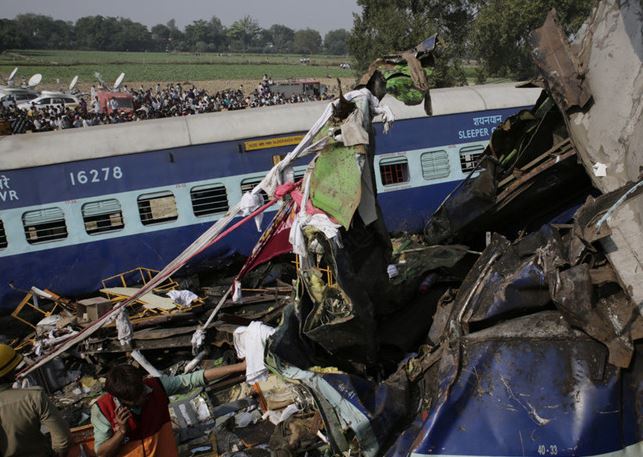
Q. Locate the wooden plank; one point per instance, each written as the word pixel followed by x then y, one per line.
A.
pixel 149 301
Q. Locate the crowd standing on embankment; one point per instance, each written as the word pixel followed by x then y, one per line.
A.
pixel 151 103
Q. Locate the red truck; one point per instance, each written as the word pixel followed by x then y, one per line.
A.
pixel 114 101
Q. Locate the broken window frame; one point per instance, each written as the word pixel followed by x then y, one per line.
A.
pixel 146 210
pixel 249 183
pixel 439 166
pixel 3 236
pixel 215 200
pixel 44 225
pixel 104 214
pixel 396 171
pixel 467 165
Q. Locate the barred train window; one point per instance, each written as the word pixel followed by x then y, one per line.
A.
pixel 3 236
pixel 469 157
pixel 157 208
pixel 44 225
pixel 102 216
pixel 209 199
pixel 394 170
pixel 300 174
pixel 435 164
pixel 248 184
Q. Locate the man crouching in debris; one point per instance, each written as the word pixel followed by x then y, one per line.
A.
pixel 23 412
pixel 132 418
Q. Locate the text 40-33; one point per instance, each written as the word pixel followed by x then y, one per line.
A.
pixel 95 175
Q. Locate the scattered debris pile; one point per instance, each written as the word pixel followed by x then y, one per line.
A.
pixel 512 326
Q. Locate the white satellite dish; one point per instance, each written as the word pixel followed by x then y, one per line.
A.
pixel 35 80
pixel 12 74
pixel 73 83
pixel 119 81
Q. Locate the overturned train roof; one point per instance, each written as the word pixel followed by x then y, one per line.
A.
pixel 31 150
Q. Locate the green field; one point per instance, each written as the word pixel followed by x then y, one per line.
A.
pixel 158 66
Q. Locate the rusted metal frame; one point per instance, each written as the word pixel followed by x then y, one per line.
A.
pixel 505 194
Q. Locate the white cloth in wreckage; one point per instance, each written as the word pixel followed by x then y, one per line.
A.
pixel 354 131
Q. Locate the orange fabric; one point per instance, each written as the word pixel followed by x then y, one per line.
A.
pixel 161 444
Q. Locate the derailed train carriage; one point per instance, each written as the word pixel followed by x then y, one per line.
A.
pixel 81 205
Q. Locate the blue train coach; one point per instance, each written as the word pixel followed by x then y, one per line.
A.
pixel 80 205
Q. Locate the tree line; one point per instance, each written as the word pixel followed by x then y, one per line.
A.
pixel 493 33
pixel 103 33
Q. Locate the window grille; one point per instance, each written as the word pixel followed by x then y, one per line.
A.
pixel 435 164
pixel 248 184
pixel 394 170
pixel 157 208
pixel 102 216
pixel 44 225
pixel 209 199
pixel 469 157
pixel 3 237
pixel 299 175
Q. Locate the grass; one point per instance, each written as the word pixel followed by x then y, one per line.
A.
pixel 159 66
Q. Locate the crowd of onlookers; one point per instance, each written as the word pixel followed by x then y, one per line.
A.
pixel 151 103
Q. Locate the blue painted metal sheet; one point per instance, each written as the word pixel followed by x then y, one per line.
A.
pixel 169 167
pixel 552 395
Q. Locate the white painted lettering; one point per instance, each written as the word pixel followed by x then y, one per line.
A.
pixel 4 182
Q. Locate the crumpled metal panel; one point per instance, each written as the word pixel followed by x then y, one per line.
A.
pixel 558 65
pixel 609 132
pixel 530 386
pixel 353 405
pixel 503 281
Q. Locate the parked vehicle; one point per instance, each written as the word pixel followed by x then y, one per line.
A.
pixel 13 96
pixel 48 99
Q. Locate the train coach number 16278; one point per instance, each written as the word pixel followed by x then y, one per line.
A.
pixel 95 175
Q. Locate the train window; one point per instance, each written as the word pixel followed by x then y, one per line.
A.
pixel 157 208
pixel 248 184
pixel 469 157
pixel 435 164
pixel 102 216
pixel 44 225
pixel 299 175
pixel 394 170
pixel 209 199
pixel 3 236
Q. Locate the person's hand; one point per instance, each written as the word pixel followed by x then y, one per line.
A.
pixel 122 416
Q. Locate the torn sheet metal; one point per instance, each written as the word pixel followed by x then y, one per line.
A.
pixel 610 131
pixel 528 386
pixel 351 405
pixel 615 220
pixel 558 64
pixel 609 49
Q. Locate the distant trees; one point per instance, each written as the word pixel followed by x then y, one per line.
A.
pixel 33 31
pixel 501 28
pixel 493 32
pixel 397 25
pixel 336 42
pixel 283 38
pixel 111 34
pixel 204 36
pixel 243 34
pixel 307 41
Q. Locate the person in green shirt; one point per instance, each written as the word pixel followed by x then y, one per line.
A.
pixel 22 414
